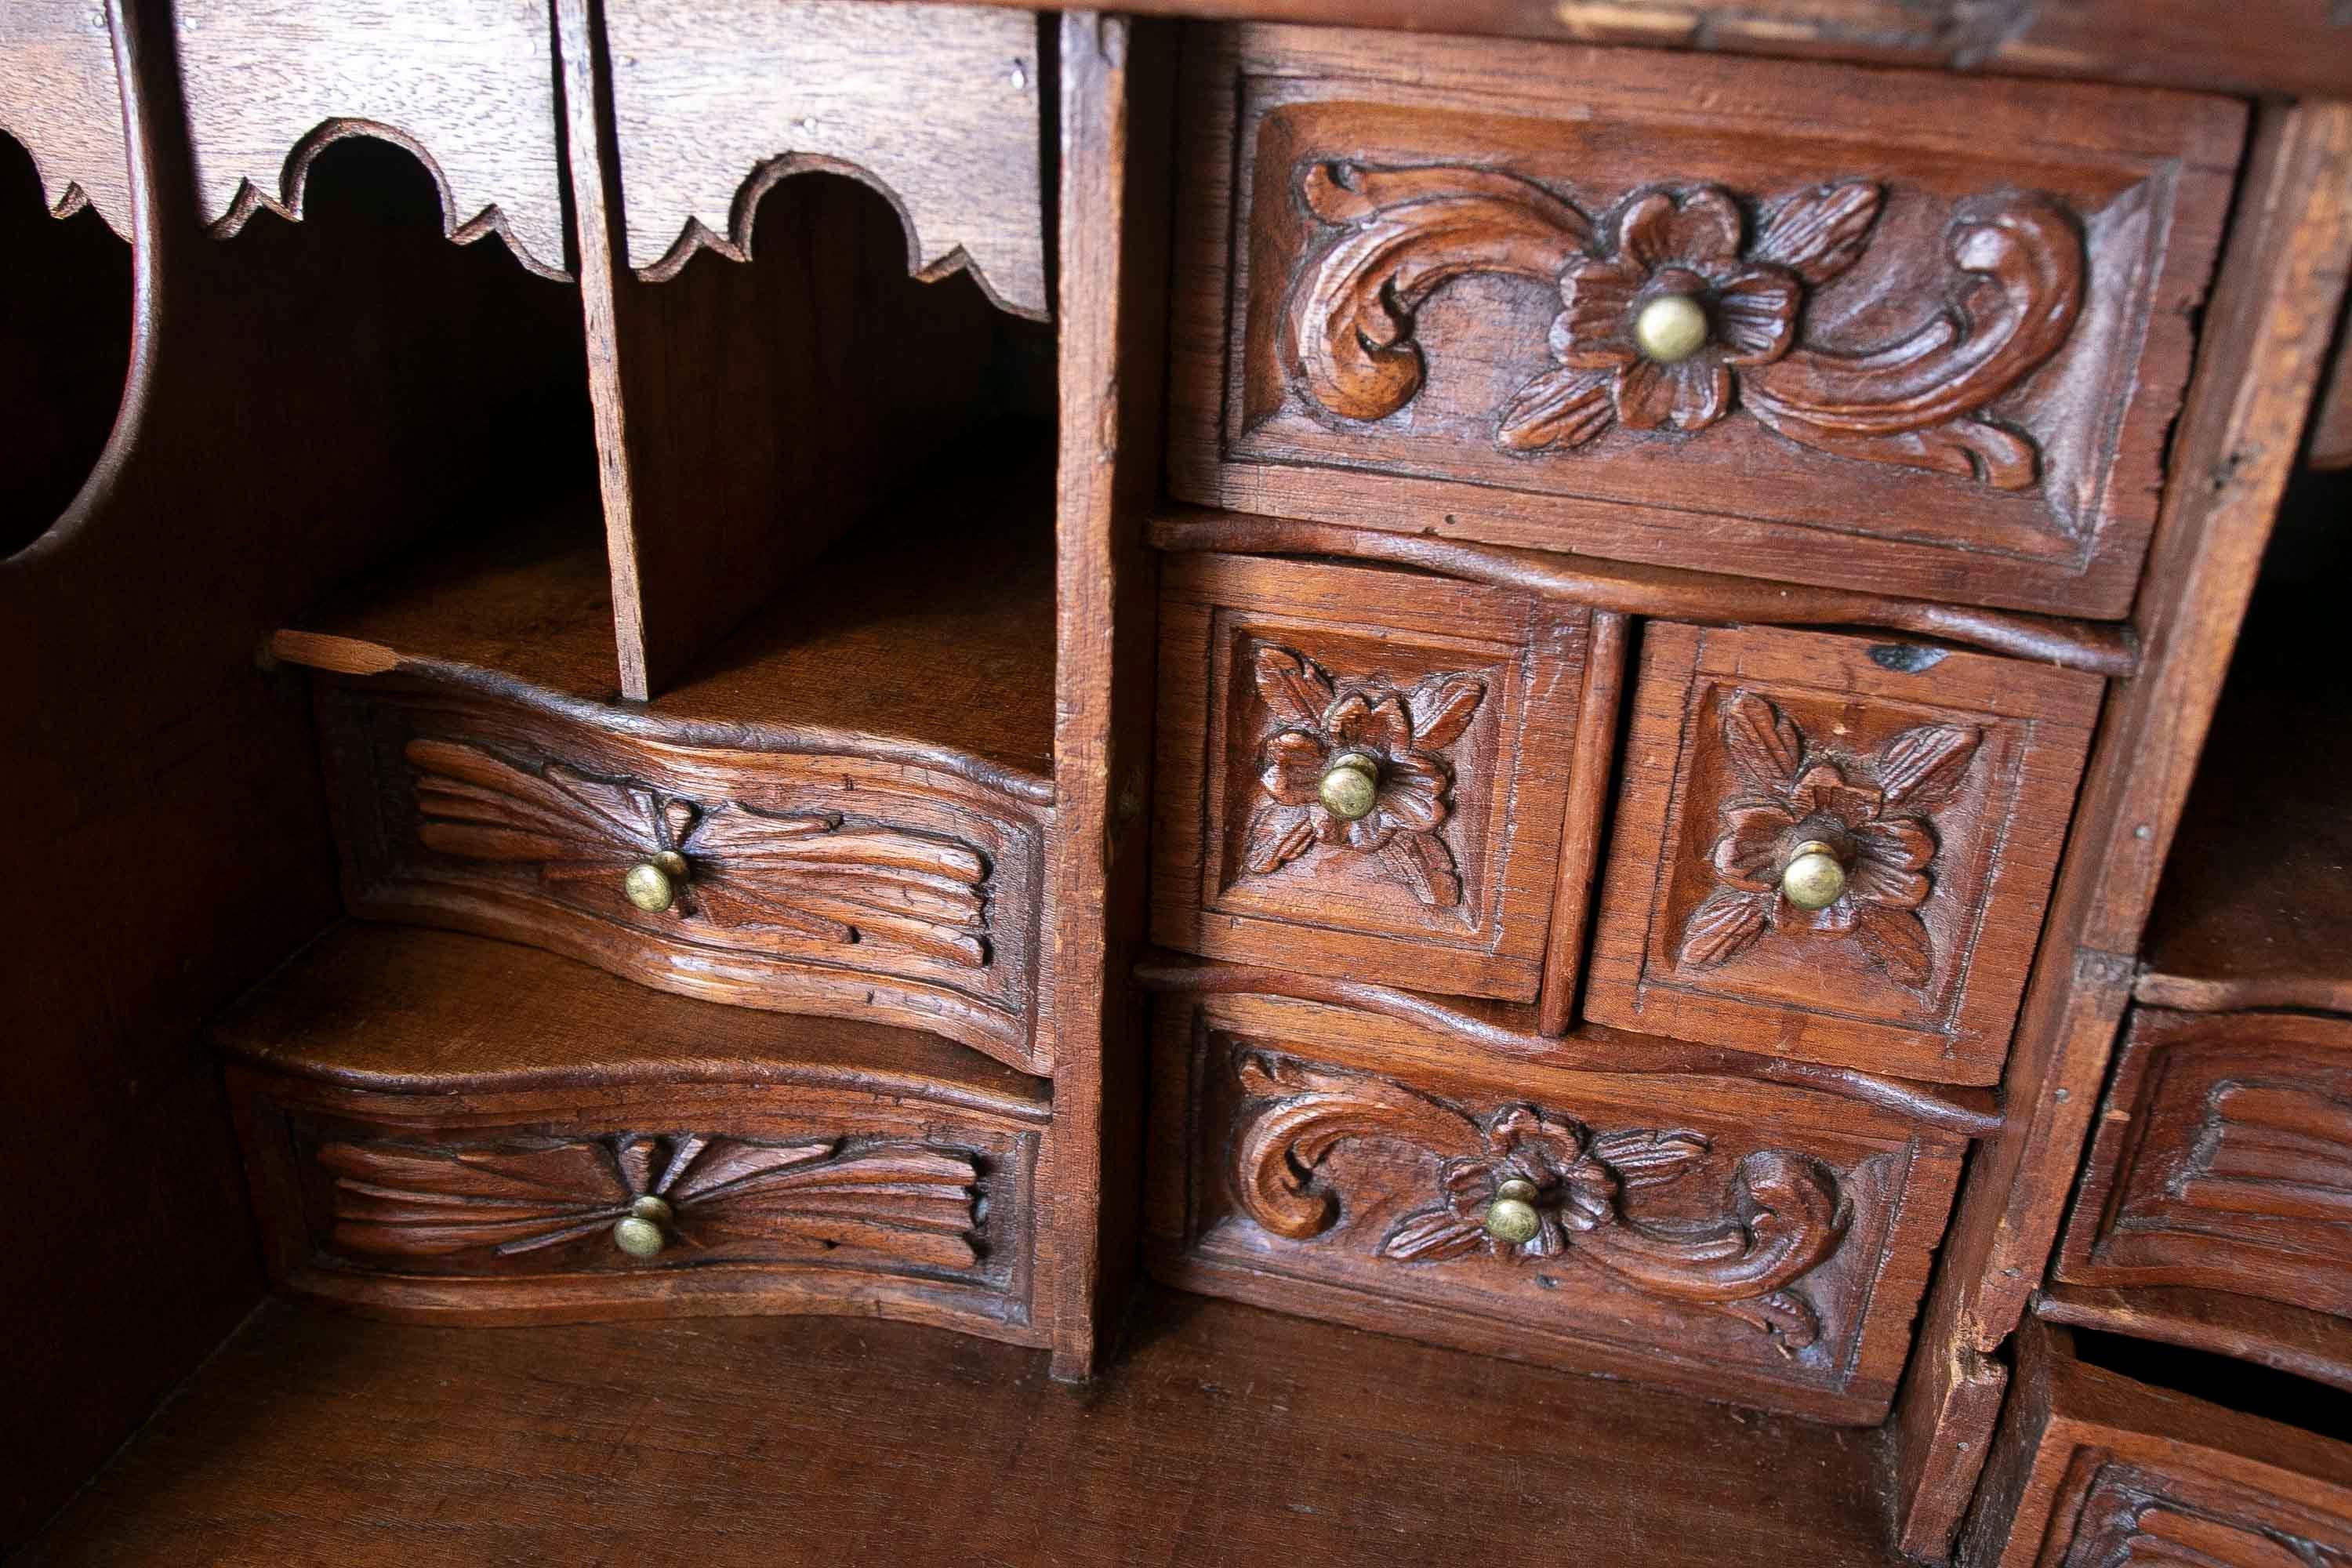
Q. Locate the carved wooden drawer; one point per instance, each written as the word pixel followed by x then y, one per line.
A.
pixel 2093 1469
pixel 801 882
pixel 1742 1241
pixel 2223 1159
pixel 1363 772
pixel 1835 850
pixel 1879 329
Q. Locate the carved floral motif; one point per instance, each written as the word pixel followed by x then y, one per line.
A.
pixel 1402 733
pixel 1783 1217
pixel 405 1200
pixel 811 874
pixel 1919 401
pixel 1870 812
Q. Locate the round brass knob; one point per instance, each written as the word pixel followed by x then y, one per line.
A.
pixel 1351 786
pixel 1669 328
pixel 1814 876
pixel 1512 1218
pixel 640 1233
pixel 652 885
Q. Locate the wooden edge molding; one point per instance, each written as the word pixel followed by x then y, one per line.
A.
pixel 294 181
pixel 2277 993
pixel 2313 1345
pixel 1968 1113
pixel 1660 590
pixel 359 656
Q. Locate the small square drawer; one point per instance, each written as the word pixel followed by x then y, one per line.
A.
pixel 1835 850
pixel 1741 1240
pixel 1363 772
pixel 2223 1161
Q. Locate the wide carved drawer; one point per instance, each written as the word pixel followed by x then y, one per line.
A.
pixel 1886 331
pixel 1835 849
pixel 2222 1160
pixel 1363 772
pixel 2092 1468
pixel 1740 1240
pixel 799 883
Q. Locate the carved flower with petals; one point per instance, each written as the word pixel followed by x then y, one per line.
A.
pixel 1864 815
pixel 1387 743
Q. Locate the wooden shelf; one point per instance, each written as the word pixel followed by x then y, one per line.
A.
pixel 312 1436
pixel 397 1008
pixel 928 627
pixel 2316 1345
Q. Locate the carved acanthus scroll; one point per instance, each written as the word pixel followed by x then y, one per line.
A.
pixel 1783 1218
pixel 1740 285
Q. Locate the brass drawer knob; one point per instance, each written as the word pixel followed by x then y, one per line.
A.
pixel 1351 786
pixel 1670 329
pixel 1512 1218
pixel 1815 877
pixel 652 885
pixel 643 1230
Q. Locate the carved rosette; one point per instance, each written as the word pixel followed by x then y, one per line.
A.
pixel 813 875
pixel 1783 1218
pixel 1399 736
pixel 1919 401
pixel 906 1201
pixel 1871 812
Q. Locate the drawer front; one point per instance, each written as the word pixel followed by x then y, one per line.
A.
pixel 1670 308
pixel 2223 1159
pixel 804 883
pixel 1738 1241
pixel 1449 709
pixel 1835 850
pixel 661 1198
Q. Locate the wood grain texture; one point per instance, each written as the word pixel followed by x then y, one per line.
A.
pixel 469 88
pixel 2311 1345
pixel 317 1435
pixel 1942 788
pixel 2329 445
pixel 1467 699
pixel 938 107
pixel 2092 1467
pixel 59 100
pixel 1367 303
pixel 1691 1230
pixel 2266 332
pixel 1579 833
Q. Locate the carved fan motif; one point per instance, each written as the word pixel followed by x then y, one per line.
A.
pixel 1783 1219
pixel 1871 812
pixel 905 1201
pixel 1399 734
pixel 2271 1149
pixel 1919 401
pixel 811 874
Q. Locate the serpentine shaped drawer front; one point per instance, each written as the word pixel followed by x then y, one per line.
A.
pixel 1871 329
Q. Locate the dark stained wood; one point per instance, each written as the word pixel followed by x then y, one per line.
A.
pixel 1941 785
pixel 1579 833
pixel 2330 442
pixel 2316 1345
pixel 59 100
pixel 314 1436
pixel 1725 1237
pixel 1949 323
pixel 2266 333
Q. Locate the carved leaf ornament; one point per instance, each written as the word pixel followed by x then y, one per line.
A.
pixel 1736 289
pixel 811 874
pixel 1783 1218
pixel 1398 736
pixel 1871 814
pixel 403 1200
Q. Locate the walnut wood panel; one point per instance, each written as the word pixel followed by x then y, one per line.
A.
pixel 1466 702
pixel 1941 784
pixel 806 883
pixel 2222 1159
pixel 938 107
pixel 512 1207
pixel 2091 1467
pixel 58 98
pixel 1738 1241
pixel 467 87
pixel 1944 336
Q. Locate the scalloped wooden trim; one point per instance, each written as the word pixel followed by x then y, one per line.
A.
pixel 295 178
